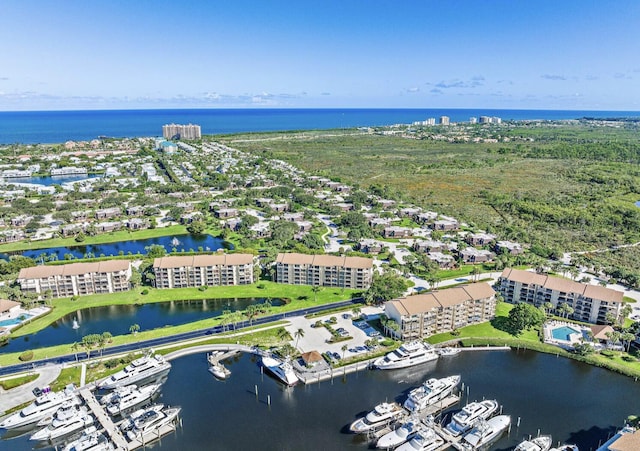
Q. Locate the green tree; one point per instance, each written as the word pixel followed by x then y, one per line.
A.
pixel 155 251
pixel 196 227
pixel 298 335
pixel 134 329
pixel 523 316
pixel 385 287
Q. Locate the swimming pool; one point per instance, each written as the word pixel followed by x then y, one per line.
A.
pixel 14 321
pixel 564 333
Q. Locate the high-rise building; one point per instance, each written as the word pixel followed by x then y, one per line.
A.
pixel 444 120
pixel 189 131
pixel 473 120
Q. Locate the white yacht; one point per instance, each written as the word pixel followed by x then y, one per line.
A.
pixel 147 426
pixel 541 443
pixel 409 354
pixel 464 420
pixel 424 440
pixel 380 415
pixel 448 351
pixel 133 398
pixel 46 404
pixel 90 440
pixel 565 448
pixel 140 369
pixel 60 428
pixel 400 435
pixel 216 367
pixel 281 369
pixel 484 434
pixel 67 410
pixel 130 421
pixel 432 391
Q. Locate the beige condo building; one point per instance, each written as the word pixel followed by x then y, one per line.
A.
pixel 77 279
pixel 203 270
pixel 324 270
pixel 423 315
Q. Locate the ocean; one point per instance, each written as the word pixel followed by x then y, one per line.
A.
pixel 33 127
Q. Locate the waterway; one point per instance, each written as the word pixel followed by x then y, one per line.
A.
pixel 572 401
pixel 117 319
pixel 179 243
pixel 52 180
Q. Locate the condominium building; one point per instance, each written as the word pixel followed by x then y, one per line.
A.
pixel 590 303
pixel 444 120
pixel 324 270
pixel 203 270
pixel 189 131
pixel 77 279
pixel 423 315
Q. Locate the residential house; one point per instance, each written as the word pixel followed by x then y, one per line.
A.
pixel 369 246
pixel 473 255
pixel 224 213
pixel 108 213
pixel 479 239
pixel 444 261
pixel 445 225
pixel 508 247
pixel 108 226
pixel 428 246
pixel 396 232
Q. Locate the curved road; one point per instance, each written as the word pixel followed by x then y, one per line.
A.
pixel 171 339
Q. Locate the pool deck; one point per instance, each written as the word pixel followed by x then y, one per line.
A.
pixel 33 313
pixel 550 326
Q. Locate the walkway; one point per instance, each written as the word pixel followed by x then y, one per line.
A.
pixel 23 394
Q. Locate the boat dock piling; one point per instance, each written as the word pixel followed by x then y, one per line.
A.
pixel 153 436
pixel 110 428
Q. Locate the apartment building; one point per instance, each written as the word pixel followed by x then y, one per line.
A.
pixel 423 315
pixel 203 270
pixel 189 131
pixel 591 303
pixel 77 279
pixel 324 270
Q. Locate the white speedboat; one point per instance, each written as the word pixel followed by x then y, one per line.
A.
pixel 67 410
pixel 432 391
pixel 144 368
pixel 462 421
pixel 147 427
pixel 130 421
pixel 409 354
pixel 61 428
pixel 484 434
pixel 216 367
pixel 46 404
pixel 380 415
pixel 542 443
pixel 448 351
pixel 130 400
pixel 90 440
pixel 117 393
pixel 281 369
pixel 565 448
pixel 424 440
pixel 400 435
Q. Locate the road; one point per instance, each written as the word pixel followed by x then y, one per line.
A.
pixel 4 371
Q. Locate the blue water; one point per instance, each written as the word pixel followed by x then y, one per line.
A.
pixel 186 243
pixel 563 333
pixel 48 181
pixel 14 321
pixel 30 127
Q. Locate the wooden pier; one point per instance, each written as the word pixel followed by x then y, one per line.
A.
pixel 153 436
pixel 107 423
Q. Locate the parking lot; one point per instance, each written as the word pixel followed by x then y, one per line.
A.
pixel 316 338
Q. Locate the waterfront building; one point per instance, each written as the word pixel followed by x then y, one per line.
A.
pixel 423 315
pixel 189 131
pixel 324 270
pixel 76 279
pixel 444 120
pixel 590 303
pixel 203 270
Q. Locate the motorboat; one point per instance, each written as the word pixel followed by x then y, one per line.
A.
pixel 400 435
pixel 139 370
pixel 67 410
pixel 216 367
pixel 90 440
pixel 134 398
pixel 425 439
pixel 130 421
pixel 148 425
pixel 409 354
pixel 380 415
pixel 117 393
pixel 484 433
pixel 448 351
pixel 45 404
pixel 61 428
pixel 281 369
pixel 541 443
pixel 565 448
pixel 462 421
pixel 432 391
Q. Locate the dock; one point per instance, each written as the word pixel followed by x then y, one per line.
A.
pixel 152 436
pixel 107 423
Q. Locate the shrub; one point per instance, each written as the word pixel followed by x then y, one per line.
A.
pixel 144 292
pixel 628 358
pixel 607 353
pixel 261 286
pixel 26 356
pixel 111 363
pixel 202 288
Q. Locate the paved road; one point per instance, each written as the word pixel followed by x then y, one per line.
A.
pixel 171 339
pixel 23 394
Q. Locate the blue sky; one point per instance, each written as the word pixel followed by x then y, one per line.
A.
pixel 538 54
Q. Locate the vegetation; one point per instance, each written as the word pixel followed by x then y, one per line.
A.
pixel 8 384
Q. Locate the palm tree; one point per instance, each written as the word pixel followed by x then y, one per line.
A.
pixel 627 337
pixel 134 329
pixel 356 311
pixel 475 271
pixel 548 306
pixel 315 290
pixel 283 334
pixel 298 334
pixel 344 349
pixel 74 347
